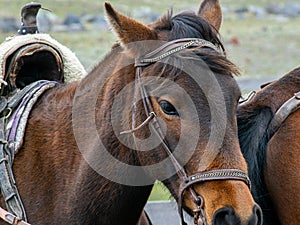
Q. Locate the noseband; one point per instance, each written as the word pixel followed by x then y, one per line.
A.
pixel 186 181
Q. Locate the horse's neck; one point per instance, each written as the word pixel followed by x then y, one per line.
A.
pixel 88 197
pixel 98 196
pixel 100 201
pixel 121 203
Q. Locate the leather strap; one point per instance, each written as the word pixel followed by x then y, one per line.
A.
pixel 7 182
pixel 3 104
pixel 10 218
pixel 283 112
pixel 215 175
pixel 172 47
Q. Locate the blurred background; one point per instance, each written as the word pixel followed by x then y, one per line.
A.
pixel 262 37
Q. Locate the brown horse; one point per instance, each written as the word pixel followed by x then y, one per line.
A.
pixel 76 168
pixel 273 157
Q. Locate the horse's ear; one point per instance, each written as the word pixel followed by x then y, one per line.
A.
pixel 127 29
pixel 212 12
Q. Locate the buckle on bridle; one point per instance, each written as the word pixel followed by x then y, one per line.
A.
pixel 199 214
pixel 199 217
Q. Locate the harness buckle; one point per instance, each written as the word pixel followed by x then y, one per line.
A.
pixel 199 217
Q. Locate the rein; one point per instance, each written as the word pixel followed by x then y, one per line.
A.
pixel 187 181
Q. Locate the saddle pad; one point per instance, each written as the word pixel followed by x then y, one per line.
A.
pixel 15 129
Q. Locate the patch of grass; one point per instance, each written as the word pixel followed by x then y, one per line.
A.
pixel 160 192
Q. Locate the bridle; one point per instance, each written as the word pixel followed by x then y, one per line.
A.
pixel 162 52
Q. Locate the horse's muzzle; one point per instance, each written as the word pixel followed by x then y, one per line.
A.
pixel 227 216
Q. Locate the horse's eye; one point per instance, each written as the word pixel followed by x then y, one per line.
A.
pixel 168 108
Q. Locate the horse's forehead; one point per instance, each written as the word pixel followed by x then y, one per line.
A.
pixel 226 84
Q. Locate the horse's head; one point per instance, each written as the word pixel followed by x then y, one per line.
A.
pixel 189 98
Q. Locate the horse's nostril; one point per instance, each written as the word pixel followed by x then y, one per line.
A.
pixel 226 216
pixel 257 218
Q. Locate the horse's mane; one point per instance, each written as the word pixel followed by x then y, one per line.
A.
pixel 253 137
pixel 188 25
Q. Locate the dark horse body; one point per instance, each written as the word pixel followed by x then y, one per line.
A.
pixel 59 186
pixel 273 161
